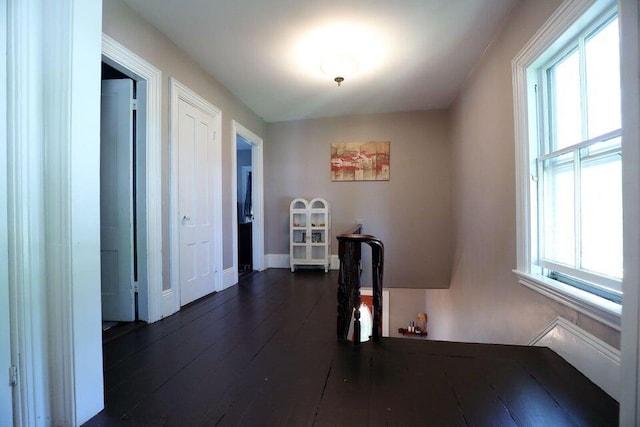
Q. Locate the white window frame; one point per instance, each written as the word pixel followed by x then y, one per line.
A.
pixel 566 23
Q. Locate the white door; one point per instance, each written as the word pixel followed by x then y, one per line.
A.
pixel 196 202
pixel 116 200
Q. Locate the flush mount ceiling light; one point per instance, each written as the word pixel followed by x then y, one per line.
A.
pixel 340 51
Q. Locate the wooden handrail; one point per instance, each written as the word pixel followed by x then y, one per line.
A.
pixel 349 252
pixel 356 229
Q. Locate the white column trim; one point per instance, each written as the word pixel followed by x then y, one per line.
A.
pixel 629 15
pixel 25 210
pixel 6 390
pixel 72 205
pixel 53 158
pixel 58 201
pixel 116 52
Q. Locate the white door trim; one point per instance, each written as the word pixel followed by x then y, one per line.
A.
pixel 179 91
pixel 25 108
pixel 6 390
pixel 257 162
pixel 53 124
pixel 119 56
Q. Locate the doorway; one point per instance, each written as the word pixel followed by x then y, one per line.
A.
pixel 122 197
pixel 245 208
pixel 248 204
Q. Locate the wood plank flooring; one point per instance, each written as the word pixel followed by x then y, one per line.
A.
pixel 264 353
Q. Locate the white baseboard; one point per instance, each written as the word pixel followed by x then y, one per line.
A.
pixel 596 359
pixel 277 260
pixel 169 303
pixel 228 278
pixel 282 261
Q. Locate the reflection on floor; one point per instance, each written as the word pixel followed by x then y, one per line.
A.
pixel 106 325
pixel 244 274
pixel 112 330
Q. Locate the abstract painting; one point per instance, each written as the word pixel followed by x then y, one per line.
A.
pixel 360 161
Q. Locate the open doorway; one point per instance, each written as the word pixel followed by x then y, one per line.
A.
pixel 155 297
pixel 248 209
pixel 245 206
pixel 122 199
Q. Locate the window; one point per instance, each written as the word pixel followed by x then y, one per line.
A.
pixel 568 143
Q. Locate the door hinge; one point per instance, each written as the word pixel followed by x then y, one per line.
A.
pixel 134 104
pixel 13 375
pixel 134 287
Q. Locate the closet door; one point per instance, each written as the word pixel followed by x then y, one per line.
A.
pixel 116 200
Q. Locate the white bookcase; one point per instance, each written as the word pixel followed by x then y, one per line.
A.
pixel 310 233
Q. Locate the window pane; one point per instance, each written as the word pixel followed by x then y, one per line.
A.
pixel 559 229
pixel 601 214
pixel 565 97
pixel 603 80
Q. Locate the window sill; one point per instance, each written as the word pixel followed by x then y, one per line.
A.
pixel 598 308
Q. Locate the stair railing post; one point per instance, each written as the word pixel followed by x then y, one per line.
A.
pixel 377 249
pixel 348 287
pixel 349 252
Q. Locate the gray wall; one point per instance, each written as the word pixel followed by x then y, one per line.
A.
pixel 485 302
pixel 447 216
pixel 410 212
pixel 128 28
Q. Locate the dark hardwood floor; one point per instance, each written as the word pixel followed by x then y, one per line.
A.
pixel 264 353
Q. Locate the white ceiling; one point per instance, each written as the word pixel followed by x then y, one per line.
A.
pixel 428 48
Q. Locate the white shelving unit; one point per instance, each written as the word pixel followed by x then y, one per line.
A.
pixel 310 233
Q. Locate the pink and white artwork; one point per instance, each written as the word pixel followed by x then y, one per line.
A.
pixel 360 161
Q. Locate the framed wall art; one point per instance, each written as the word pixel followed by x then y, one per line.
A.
pixel 360 161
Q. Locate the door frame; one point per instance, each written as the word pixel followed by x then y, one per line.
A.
pixel 150 78
pixel 178 91
pixel 257 196
pixel 54 91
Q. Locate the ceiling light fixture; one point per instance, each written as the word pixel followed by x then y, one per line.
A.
pixel 338 66
pixel 340 51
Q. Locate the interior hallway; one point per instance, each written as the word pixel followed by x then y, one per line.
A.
pixel 265 353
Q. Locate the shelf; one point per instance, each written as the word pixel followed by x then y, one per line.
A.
pixel 309 225
pixel 405 331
